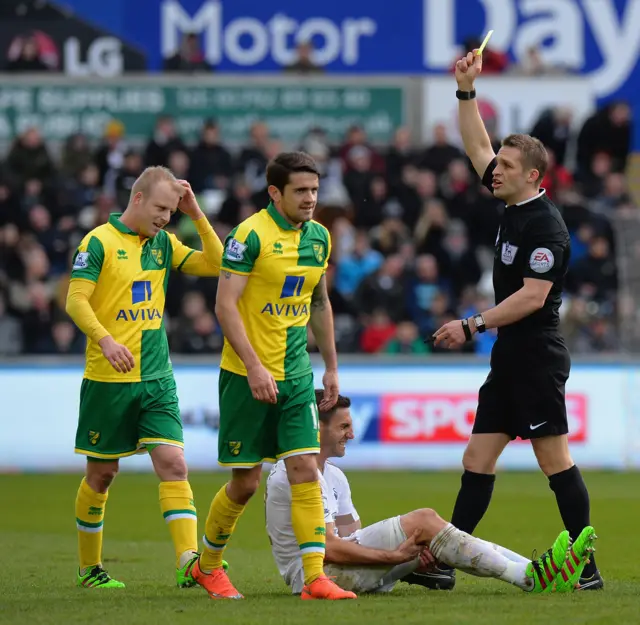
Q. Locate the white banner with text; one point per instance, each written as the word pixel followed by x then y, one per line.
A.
pixel 405 417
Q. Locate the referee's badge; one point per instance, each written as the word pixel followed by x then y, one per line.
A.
pixel 509 253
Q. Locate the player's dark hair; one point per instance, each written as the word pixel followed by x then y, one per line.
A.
pixel 534 154
pixel 325 416
pixel 282 166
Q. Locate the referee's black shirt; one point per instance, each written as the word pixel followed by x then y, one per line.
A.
pixel 533 242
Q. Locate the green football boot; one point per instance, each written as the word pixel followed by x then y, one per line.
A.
pixel 97 577
pixel 579 552
pixel 184 578
pixel 544 570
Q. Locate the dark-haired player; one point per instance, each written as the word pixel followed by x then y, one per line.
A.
pixel 272 286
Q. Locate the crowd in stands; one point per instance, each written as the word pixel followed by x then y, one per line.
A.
pixel 413 230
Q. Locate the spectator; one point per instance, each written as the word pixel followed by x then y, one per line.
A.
pixel 423 286
pixel 131 168
pixel 211 163
pixel 379 330
pixel 165 140
pixel 438 156
pixel 64 339
pixel 189 58
pixel 383 290
pixel 24 56
pixel 400 154
pixel 29 158
pixel 558 180
pixel 304 64
pixel 252 162
pixel 357 138
pixel 553 128
pixel 353 268
pixel 406 340
pixel 595 274
pixel 110 154
pixel 609 131
pixel 76 155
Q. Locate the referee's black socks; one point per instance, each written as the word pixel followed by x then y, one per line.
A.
pixel 573 502
pixel 473 500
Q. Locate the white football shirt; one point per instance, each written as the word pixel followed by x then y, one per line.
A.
pixel 284 545
pixel 339 485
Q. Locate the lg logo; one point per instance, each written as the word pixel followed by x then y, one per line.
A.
pixel 103 57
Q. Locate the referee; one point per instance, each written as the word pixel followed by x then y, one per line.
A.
pixel 524 394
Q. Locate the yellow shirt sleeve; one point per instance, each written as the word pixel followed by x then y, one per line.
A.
pixel 79 309
pixel 194 262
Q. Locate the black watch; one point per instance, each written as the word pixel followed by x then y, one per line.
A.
pixel 466 95
pixel 478 319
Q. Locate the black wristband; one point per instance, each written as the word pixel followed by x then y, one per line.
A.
pixel 466 95
pixel 466 329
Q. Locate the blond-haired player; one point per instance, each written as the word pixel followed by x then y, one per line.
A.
pixel 128 398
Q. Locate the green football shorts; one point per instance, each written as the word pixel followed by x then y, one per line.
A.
pixel 119 419
pixel 252 432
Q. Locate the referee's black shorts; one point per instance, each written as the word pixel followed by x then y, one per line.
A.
pixel 524 394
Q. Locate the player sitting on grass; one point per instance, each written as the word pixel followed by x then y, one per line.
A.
pixel 375 558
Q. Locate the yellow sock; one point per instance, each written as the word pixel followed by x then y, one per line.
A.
pixel 179 511
pixel 89 518
pixel 307 518
pixel 222 519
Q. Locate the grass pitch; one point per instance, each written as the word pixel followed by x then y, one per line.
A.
pixel 38 556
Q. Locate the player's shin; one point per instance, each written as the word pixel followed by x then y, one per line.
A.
pixel 477 557
pixel 179 512
pixel 572 497
pixel 221 522
pixel 507 553
pixel 89 519
pixel 307 518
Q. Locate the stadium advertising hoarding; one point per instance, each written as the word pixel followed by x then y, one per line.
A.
pixel 416 418
pixel 597 38
pixel 508 105
pixel 289 108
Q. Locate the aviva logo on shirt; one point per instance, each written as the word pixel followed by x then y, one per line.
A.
pixel 292 287
pixel 140 293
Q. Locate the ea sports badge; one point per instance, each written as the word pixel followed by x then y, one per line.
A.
pixel 541 260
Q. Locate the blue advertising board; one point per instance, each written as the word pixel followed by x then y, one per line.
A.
pixel 598 38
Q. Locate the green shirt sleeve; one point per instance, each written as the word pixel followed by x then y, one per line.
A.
pixel 241 250
pixel 88 259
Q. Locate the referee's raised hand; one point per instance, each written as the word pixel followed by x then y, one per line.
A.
pixel 468 69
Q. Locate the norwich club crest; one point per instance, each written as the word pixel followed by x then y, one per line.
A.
pixel 94 437
pixel 235 447
pixel 157 256
pixel 318 252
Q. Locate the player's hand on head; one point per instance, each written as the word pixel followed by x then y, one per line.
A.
pixel 468 69
pixel 188 204
pixel 262 384
pixel 331 390
pixel 118 355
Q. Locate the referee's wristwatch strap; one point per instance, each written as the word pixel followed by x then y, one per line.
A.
pixel 466 329
pixel 466 95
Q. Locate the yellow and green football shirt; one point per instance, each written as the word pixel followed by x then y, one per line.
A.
pixel 284 265
pixel 131 276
